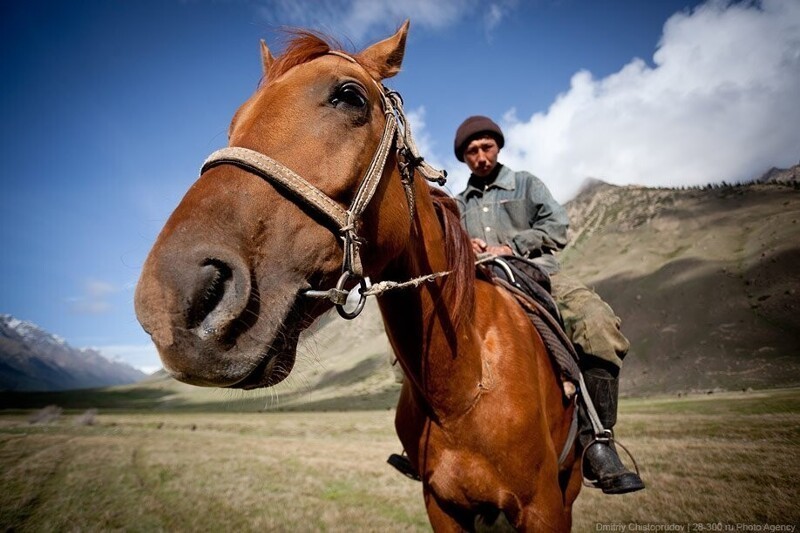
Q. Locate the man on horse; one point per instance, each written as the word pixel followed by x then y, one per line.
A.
pixel 513 213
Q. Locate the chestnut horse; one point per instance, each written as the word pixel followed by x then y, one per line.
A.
pixel 228 286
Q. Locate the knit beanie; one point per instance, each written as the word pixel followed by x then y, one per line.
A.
pixel 472 128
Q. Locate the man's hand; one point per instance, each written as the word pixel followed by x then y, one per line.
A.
pixel 479 246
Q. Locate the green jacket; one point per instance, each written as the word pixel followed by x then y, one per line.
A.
pixel 516 209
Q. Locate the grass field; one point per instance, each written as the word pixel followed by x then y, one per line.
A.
pixel 709 461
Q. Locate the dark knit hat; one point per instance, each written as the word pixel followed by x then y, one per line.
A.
pixel 472 128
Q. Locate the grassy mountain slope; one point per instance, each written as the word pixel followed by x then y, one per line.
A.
pixel 705 281
pixel 343 364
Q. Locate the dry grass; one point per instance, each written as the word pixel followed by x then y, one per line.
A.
pixel 150 472
pixel 727 458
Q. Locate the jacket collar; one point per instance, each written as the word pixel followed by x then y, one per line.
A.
pixel 504 180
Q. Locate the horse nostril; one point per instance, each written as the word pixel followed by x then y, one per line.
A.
pixel 212 282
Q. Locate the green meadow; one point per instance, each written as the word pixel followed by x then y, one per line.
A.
pixel 721 461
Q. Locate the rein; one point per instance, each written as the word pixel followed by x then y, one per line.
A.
pixel 345 222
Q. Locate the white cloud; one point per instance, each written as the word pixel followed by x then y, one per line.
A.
pixel 95 298
pixel 496 12
pixel 493 16
pixel 721 102
pixel 422 138
pixel 357 19
pixel 96 288
pixel 141 356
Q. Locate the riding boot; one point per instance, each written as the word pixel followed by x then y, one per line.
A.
pixel 601 463
pixel 403 465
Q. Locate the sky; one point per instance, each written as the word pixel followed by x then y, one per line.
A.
pixel 109 107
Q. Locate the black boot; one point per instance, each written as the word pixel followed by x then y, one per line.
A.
pixel 403 465
pixel 601 464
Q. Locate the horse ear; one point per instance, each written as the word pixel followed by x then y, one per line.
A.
pixel 266 58
pixel 383 59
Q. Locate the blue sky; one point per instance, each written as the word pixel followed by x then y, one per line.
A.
pixel 109 107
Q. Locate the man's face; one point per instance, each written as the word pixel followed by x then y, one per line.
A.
pixel 480 155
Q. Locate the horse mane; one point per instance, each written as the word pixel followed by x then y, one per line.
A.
pixel 460 286
pixel 303 46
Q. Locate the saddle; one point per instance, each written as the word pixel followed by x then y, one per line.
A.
pixel 530 285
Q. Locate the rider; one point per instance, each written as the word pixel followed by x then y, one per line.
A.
pixel 513 213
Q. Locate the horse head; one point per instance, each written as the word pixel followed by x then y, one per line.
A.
pixel 222 292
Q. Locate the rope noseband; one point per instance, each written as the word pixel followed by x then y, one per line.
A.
pixel 344 222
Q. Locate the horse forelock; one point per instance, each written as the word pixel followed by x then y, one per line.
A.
pixel 303 46
pixel 460 284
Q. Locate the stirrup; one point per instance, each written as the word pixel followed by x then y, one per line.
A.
pixel 605 437
pixel 403 465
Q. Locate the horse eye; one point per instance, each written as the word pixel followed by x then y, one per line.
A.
pixel 349 94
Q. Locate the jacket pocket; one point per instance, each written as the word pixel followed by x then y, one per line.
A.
pixel 517 213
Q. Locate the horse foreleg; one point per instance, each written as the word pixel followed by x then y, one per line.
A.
pixel 533 518
pixel 442 521
pixel 573 487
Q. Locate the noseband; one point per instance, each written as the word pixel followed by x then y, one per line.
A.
pixel 344 222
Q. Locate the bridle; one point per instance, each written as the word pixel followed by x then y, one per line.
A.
pixel 345 222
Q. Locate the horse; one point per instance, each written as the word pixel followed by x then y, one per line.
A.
pixel 319 188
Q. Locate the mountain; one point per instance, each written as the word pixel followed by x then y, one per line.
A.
pixel 705 281
pixel 781 175
pixel 33 360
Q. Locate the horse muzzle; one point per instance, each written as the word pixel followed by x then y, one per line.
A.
pixel 204 313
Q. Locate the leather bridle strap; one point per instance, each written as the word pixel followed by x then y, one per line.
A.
pixel 270 170
pixel 366 190
pixel 345 221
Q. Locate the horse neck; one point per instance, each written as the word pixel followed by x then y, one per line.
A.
pixel 440 360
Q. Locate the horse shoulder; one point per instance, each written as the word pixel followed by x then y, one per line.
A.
pixel 512 411
pixel 514 355
pixel 510 349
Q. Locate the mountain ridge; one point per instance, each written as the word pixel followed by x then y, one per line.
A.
pixel 32 359
pixel 781 175
pixel 704 280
